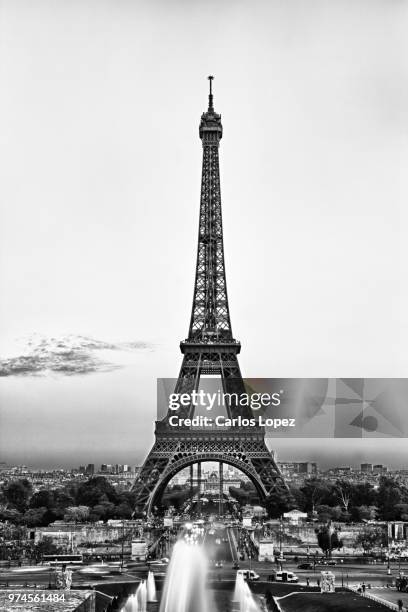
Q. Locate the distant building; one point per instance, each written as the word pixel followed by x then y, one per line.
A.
pixel 295 516
pixel 380 469
pixel 398 531
pixel 366 467
pixel 291 468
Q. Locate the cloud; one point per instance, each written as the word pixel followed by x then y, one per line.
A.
pixel 67 355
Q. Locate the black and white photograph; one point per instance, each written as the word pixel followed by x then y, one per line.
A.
pixel 204 306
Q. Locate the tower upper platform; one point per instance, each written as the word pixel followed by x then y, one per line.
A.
pixel 210 124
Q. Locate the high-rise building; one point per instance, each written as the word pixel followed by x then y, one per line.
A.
pixel 366 467
pixel 379 468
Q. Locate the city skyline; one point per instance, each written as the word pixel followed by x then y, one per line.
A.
pixel 289 456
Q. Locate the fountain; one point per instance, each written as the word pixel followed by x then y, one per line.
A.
pixel 141 597
pixel 184 587
pixel 243 597
pixel 151 587
pixel 137 601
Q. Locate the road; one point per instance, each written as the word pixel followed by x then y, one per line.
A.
pixel 219 546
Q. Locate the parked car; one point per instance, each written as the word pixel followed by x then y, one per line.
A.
pixel 235 565
pixel 305 566
pixel 249 574
pixel 286 577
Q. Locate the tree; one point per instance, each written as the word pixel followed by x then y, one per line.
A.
pixel 328 539
pixel 103 511
pixel 391 494
pixel 177 496
pixel 242 496
pixel 402 511
pixel 278 502
pixel 45 547
pixel 344 491
pixel 314 491
pixel 96 490
pixel 42 499
pixel 364 494
pixel 123 510
pixel 17 493
pixel 372 536
pixel 364 513
pixel 10 514
pixel 36 517
pixel 326 513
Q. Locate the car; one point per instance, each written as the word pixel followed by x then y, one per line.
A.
pixel 218 564
pixel 286 577
pixel 248 574
pixel 218 541
pixel 163 561
pixel 235 565
pixel 98 571
pixel 305 566
pixel 330 562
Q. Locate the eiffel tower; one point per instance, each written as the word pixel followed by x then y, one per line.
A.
pixel 210 349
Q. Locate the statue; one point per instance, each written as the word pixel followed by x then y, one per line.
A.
pixel 63 579
pixel 327 583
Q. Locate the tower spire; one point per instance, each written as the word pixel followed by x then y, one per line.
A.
pixel 210 97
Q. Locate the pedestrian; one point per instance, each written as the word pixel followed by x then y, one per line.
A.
pixel 363 586
pixel 399 602
pixel 307 582
pixel 318 582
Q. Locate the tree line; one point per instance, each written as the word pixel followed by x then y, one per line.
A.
pixel 93 500
pixel 96 499
pixel 341 501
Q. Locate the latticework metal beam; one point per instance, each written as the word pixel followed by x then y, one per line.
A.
pixel 209 349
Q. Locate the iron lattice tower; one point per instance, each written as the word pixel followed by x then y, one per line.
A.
pixel 209 349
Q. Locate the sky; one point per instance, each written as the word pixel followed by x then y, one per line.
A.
pixel 100 164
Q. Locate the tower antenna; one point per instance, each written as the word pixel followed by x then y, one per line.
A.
pixel 210 97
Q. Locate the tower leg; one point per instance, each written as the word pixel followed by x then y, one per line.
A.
pixel 221 479
pixel 191 481
pixel 199 487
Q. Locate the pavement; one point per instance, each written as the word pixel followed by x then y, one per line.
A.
pixel 390 595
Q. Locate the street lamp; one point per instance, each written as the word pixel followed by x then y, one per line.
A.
pixel 123 544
